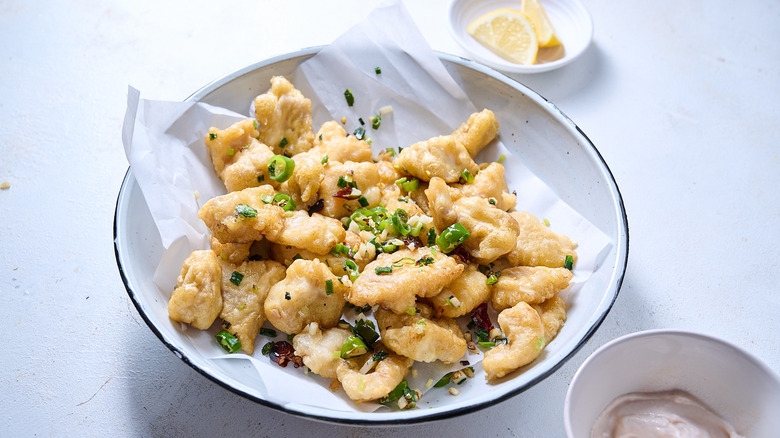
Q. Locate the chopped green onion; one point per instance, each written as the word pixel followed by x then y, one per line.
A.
pixel 229 342
pixel 383 270
pixel 363 309
pixel 245 210
pixel 212 136
pixel 482 335
pixel 467 176
pixel 376 121
pixel 285 201
pixel 354 346
pixel 540 343
pixel 260 178
pixel 350 98
pixel 267 348
pixel 271 333
pixel 231 151
pixel 283 142
pixel 352 269
pixel 424 261
pixel 492 201
pixel 290 337
pixel 443 381
pixel 236 278
pixel 297 257
pixel 451 237
pixel 411 311
pixel 493 278
pixel 487 344
pixel 401 390
pixel 377 70
pixel 399 222
pixel 287 296
pixel 431 236
pixel 379 355
pixel 254 124
pixel 280 168
pixel 363 201
pixel 501 159
pixel 340 248
pixel 366 331
pixel 329 287
pixel 360 133
pixel 568 262
pixel 416 229
pixel 546 222
pixel 324 160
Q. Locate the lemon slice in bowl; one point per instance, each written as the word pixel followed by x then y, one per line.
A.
pixel 545 32
pixel 508 33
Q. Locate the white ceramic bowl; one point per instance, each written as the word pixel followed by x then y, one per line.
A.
pixel 565 159
pixel 570 19
pixel 733 383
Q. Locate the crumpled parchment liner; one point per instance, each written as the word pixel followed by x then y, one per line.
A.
pixel 164 144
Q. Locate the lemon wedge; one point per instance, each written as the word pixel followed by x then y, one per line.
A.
pixel 508 33
pixel 545 33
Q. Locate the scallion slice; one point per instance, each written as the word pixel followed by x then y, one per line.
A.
pixel 271 333
pixel 383 270
pixel 329 287
pixel 568 262
pixel 236 278
pixel 245 210
pixel 363 201
pixel 350 98
pixel 283 142
pixel 467 176
pixel 376 121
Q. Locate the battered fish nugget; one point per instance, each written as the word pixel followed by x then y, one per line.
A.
pixel 388 174
pixel 197 298
pixel 480 129
pixel 304 297
pixel 420 338
pixel 493 232
pixel 332 141
pixel 287 254
pixel 530 284
pixel 553 315
pixel 225 146
pixel 364 175
pixel 307 176
pixel 234 253
pixel 490 184
pixel 524 332
pixel 378 383
pixel 463 295
pixel 538 245
pixel 444 157
pixel 317 348
pixel 249 167
pixel 244 216
pixel 242 303
pixel 419 272
pixel 284 116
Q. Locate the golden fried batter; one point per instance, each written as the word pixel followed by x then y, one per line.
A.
pixel 197 299
pixel 480 129
pixel 317 348
pixel 538 245
pixel 226 145
pixel 553 314
pixel 242 303
pixel 524 331
pixel 444 157
pixel 530 284
pixel 463 295
pixel 388 373
pixel 420 338
pixel 398 290
pixel 284 116
pixel 303 297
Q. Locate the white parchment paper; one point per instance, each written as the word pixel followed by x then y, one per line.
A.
pixel 164 144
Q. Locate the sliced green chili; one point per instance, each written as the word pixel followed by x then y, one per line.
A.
pixel 280 168
pixel 354 346
pixel 285 201
pixel 451 237
pixel 229 342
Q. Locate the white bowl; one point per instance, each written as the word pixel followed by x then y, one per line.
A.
pixel 570 19
pixel 565 159
pixel 733 383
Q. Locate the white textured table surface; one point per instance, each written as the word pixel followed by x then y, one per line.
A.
pixel 681 99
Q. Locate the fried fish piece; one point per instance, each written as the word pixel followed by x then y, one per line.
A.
pixel 244 216
pixel 338 177
pixel 225 145
pixel 235 253
pixel 304 297
pixel 463 295
pixel 490 184
pixel 444 157
pixel 332 141
pixel 249 167
pixel 493 232
pixel 378 383
pixel 553 315
pixel 530 284
pixel 418 272
pixel 284 116
pixel 525 335
pixel 478 131
pixel 197 298
pixel 538 245
pixel 420 338
pixel 317 348
pixel 242 303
